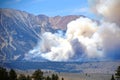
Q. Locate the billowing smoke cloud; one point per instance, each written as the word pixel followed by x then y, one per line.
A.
pixel 110 35
pixel 84 37
pixel 109 31
pixel 109 9
pixel 85 30
pixel 56 48
pixel 80 40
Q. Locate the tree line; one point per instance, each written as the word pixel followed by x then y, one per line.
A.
pixel 37 75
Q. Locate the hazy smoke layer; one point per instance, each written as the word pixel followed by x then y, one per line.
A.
pixel 85 38
pixel 109 9
pixel 110 35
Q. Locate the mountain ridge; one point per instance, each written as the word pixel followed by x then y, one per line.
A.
pixel 20 31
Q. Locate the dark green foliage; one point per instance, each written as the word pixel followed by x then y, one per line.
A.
pixel 117 74
pixel 48 78
pixel 29 78
pixel 12 75
pixel 112 78
pixel 55 77
pixel 3 74
pixel 22 77
pixel 37 75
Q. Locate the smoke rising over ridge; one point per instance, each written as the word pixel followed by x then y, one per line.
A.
pixel 109 9
pixel 85 38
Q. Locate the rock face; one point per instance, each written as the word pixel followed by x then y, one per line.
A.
pixel 59 22
pixel 20 31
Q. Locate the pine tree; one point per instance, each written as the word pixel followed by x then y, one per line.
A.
pixel 112 78
pixel 48 78
pixel 117 74
pixel 3 74
pixel 37 75
pixel 55 77
pixel 29 78
pixel 12 75
pixel 22 77
pixel 62 78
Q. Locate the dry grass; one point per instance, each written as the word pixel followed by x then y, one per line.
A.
pixel 79 76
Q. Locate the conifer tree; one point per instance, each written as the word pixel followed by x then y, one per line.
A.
pixel 62 78
pixel 55 77
pixel 112 78
pixel 22 77
pixel 37 75
pixel 48 78
pixel 12 75
pixel 29 78
pixel 3 74
pixel 117 74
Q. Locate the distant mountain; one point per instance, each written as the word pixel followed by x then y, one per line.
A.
pixel 20 31
pixel 104 67
pixel 59 22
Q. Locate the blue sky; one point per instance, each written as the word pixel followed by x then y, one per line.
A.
pixel 50 7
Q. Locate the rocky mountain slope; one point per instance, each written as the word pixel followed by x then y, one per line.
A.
pixel 20 31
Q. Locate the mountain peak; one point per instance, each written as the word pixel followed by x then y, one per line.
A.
pixel 20 31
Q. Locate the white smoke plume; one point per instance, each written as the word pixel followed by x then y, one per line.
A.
pixel 110 35
pixel 56 48
pixel 80 40
pixel 84 37
pixel 109 9
pixel 85 30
